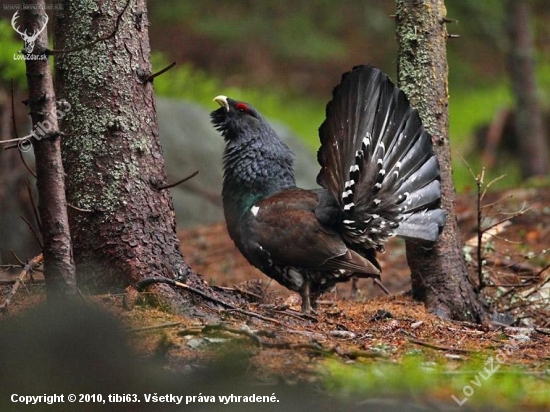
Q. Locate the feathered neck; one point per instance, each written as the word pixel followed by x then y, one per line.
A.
pixel 256 166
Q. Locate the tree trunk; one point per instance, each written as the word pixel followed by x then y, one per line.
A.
pixel 59 270
pixel 530 134
pixel 125 229
pixel 439 275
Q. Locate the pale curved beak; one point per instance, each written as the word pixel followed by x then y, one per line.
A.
pixel 222 101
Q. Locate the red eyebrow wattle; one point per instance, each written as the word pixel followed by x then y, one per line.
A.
pixel 241 106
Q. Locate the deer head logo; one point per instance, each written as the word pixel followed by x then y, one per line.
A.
pixel 29 40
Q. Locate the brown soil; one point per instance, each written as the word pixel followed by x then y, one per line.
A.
pixel 370 326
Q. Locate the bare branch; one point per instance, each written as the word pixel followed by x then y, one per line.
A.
pixel 34 208
pixel 149 79
pixel 490 183
pixel 79 209
pixel 185 179
pixel 33 230
pixel 16 257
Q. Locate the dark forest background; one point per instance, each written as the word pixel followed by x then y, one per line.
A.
pixel 286 56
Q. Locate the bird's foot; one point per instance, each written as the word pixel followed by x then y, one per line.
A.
pixel 307 307
pixel 308 303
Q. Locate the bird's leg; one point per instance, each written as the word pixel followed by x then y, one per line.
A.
pixel 354 288
pixel 305 294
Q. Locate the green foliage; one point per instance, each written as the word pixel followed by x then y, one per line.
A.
pixel 310 31
pixel 417 378
pixel 470 108
pixel 10 68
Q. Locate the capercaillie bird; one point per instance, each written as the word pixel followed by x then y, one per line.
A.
pixel 379 178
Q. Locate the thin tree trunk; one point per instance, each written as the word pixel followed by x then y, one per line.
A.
pixel 439 275
pixel 530 134
pixel 126 229
pixel 59 270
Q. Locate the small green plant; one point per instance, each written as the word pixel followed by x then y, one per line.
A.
pixel 475 382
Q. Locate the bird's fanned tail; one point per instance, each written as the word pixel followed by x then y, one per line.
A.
pixel 377 162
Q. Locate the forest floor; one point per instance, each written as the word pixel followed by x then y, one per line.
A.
pixel 372 328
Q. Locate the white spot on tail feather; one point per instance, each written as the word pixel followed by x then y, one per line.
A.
pixel 353 168
pixel 347 193
pixel 349 184
pixel 349 206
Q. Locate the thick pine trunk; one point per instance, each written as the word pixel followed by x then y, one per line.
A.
pixel 112 155
pixel 439 275
pixel 530 133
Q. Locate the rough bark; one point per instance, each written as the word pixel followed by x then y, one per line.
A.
pixel 439 275
pixel 59 270
pixel 530 133
pixel 126 230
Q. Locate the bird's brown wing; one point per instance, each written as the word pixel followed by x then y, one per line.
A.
pixel 286 227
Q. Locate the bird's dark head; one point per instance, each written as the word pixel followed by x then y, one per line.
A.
pixel 235 119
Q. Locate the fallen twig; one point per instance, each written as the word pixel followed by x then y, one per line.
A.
pixel 438 347
pixel 27 269
pixel 314 347
pixel 149 281
pixel 154 327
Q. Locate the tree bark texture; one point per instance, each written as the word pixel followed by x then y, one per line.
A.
pixel 439 275
pixel 530 133
pixel 59 270
pixel 126 230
